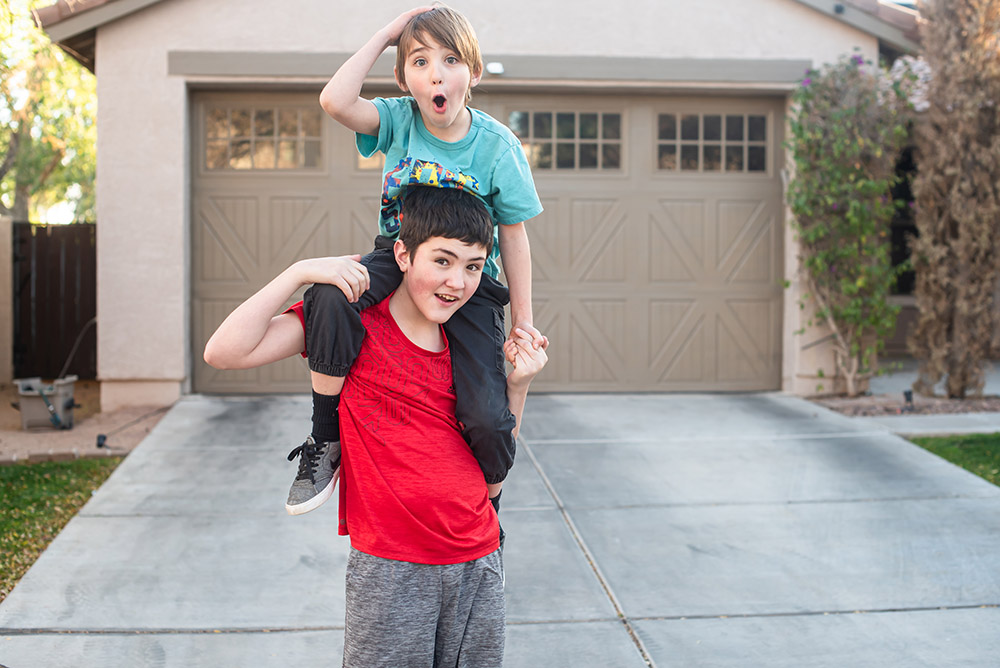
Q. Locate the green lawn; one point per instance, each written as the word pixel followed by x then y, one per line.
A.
pixel 978 453
pixel 36 502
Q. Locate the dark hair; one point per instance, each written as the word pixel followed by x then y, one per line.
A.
pixel 451 213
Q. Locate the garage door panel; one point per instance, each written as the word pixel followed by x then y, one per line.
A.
pixel 755 262
pixel 291 223
pixel 235 221
pixel 593 224
pixel 358 224
pixel 217 263
pixel 592 363
pixel 754 321
pixel 225 255
pixel 739 358
pixel 609 317
pixel 681 360
pixel 548 319
pixel 684 227
pixel 671 258
pixel 738 223
pixel 735 359
pixel 547 233
pixel 606 258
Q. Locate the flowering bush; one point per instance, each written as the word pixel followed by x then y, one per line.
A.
pixel 848 124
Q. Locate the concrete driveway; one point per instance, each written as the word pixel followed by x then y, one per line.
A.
pixel 665 530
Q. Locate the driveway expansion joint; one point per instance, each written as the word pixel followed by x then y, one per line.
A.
pixel 166 631
pixel 816 613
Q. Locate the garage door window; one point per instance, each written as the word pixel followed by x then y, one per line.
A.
pixel 568 140
pixel 712 143
pixel 263 138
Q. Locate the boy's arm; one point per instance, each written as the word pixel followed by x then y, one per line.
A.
pixel 253 336
pixel 341 97
pixel 515 253
pixel 528 361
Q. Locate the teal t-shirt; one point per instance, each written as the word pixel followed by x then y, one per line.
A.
pixel 488 162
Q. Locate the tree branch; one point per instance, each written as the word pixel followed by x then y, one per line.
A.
pixel 12 150
pixel 49 168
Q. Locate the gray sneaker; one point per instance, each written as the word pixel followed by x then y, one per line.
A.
pixel 319 470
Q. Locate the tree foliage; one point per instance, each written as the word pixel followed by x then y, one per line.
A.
pixel 848 124
pixel 48 108
pixel 957 255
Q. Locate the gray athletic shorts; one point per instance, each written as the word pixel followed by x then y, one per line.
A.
pixel 406 615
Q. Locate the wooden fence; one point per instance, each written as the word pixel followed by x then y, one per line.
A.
pixel 55 300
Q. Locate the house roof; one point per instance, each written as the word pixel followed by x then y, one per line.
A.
pixel 72 24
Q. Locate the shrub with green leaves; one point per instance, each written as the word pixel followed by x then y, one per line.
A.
pixel 847 127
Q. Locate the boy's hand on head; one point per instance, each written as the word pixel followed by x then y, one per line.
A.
pixel 346 272
pixel 395 29
pixel 528 360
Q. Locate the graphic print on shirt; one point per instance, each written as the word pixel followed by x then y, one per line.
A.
pixel 414 172
pixel 395 372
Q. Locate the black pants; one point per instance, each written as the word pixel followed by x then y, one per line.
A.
pixel 475 336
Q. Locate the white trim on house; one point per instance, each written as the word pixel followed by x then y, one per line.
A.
pixel 522 71
pixel 867 22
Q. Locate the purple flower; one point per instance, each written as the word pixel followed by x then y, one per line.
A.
pixel 806 82
pixel 913 205
pixel 835 206
pixel 858 59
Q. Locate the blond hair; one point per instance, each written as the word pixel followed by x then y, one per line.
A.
pixel 448 28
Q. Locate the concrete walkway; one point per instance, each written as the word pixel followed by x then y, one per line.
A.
pixel 664 530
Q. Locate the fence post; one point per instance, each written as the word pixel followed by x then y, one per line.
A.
pixel 6 300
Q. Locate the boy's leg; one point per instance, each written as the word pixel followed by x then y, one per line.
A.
pixel 392 613
pixel 333 338
pixel 475 336
pixel 470 631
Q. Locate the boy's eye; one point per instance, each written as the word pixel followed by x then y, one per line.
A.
pixel 452 60
pixel 442 261
pixel 474 268
pixel 419 62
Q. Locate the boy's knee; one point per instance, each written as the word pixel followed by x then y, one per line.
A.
pixel 487 415
pixel 322 295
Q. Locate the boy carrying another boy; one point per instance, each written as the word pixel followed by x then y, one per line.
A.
pixel 425 574
pixel 429 138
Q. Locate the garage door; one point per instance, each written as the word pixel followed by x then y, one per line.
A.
pixel 273 181
pixel 656 262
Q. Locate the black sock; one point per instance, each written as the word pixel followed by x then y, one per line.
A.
pixel 326 417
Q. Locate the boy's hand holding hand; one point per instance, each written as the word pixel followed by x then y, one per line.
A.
pixel 536 338
pixel 346 272
pixel 395 29
pixel 528 360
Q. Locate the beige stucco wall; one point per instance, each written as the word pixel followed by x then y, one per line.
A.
pixel 144 348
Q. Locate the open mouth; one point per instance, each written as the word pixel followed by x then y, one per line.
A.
pixel 446 298
pixel 440 102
